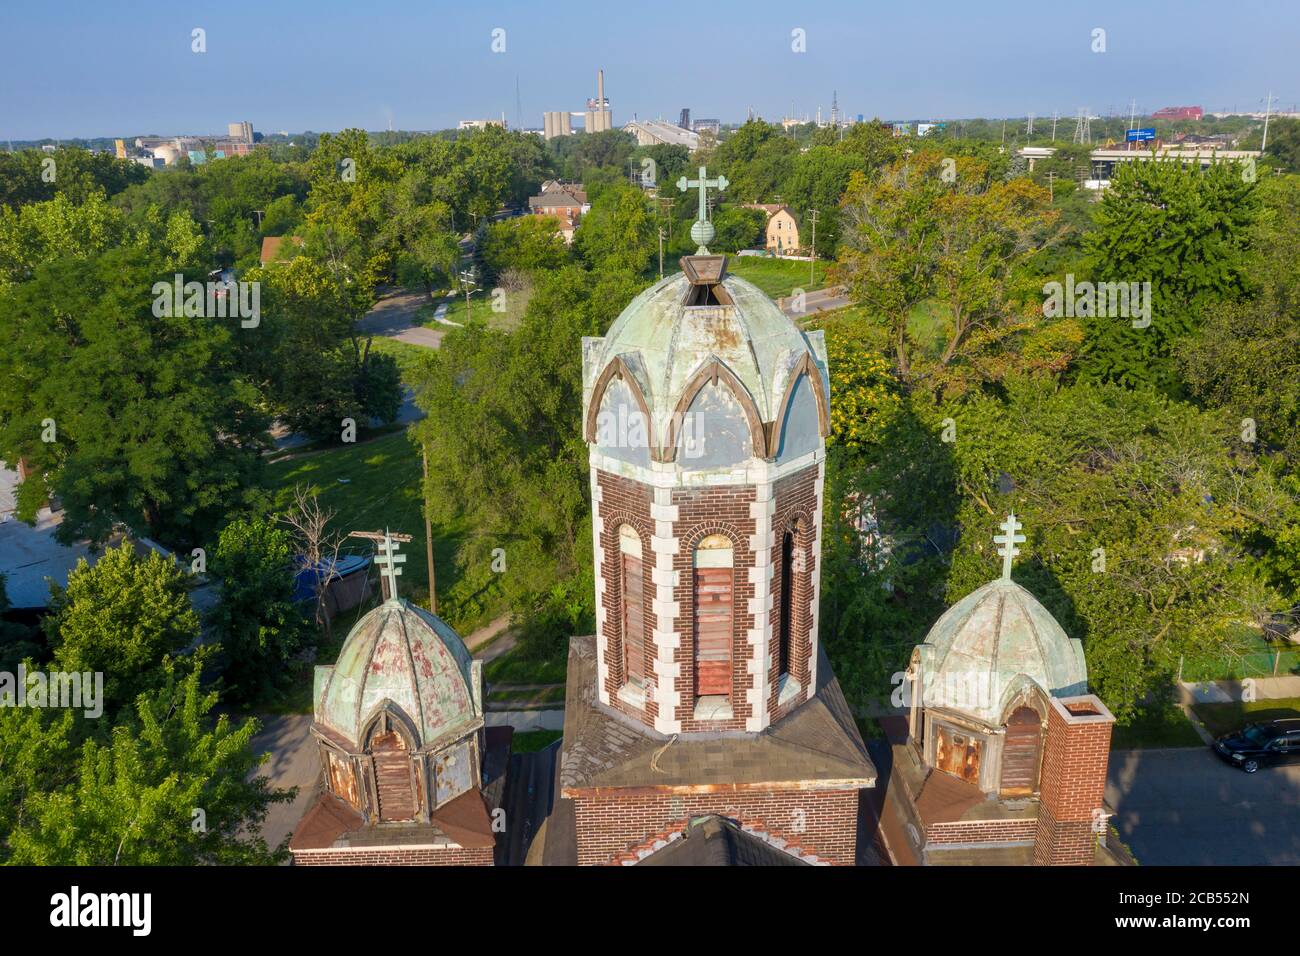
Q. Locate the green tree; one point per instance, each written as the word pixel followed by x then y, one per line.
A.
pixel 618 233
pixel 169 788
pixel 121 616
pixel 528 243
pixel 259 625
pixel 1183 230
pixel 126 415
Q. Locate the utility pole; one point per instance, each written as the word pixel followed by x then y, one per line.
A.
pixel 467 279
pixel 812 263
pixel 1132 118
pixel 388 559
pixel 259 213
pixel 1268 107
pixel 1051 192
pixel 661 252
pixel 1054 115
pixel 428 530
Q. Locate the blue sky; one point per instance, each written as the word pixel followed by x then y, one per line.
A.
pixel 125 67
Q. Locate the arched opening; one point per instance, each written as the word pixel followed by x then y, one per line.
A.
pixel 392 777
pixel 632 619
pixel 787 604
pixel 714 597
pixel 1022 747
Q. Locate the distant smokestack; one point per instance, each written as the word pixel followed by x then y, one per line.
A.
pixel 600 89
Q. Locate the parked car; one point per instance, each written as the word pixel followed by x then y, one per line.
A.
pixel 1261 744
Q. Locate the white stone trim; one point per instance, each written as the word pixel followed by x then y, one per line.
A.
pixel 602 638
pixel 664 546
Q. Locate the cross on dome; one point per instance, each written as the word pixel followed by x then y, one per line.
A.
pixel 703 231
pixel 388 561
pixel 1008 541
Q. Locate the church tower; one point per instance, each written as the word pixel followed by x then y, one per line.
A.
pixel 705 414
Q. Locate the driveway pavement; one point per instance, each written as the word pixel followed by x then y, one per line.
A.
pixel 1186 807
pixel 394 317
pixel 294 762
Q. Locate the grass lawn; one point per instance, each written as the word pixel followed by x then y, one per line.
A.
pixel 515 668
pixel 408 356
pixel 549 695
pixel 373 485
pixel 1223 718
pixel 531 741
pixel 1156 727
pixel 778 277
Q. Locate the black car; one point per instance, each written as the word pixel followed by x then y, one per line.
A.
pixel 1257 745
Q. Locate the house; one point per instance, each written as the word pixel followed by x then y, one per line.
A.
pixel 271 251
pixel 782 230
pixel 567 202
pixel 704 692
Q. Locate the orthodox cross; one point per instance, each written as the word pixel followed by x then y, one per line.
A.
pixel 1009 540
pixel 387 559
pixel 703 184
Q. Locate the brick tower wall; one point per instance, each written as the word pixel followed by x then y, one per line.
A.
pixel 1073 784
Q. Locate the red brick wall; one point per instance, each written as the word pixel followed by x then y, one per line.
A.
pixel 988 831
pixel 378 856
pixel 623 501
pixel 796 501
pixel 702 512
pixel 1073 786
pixel 822 823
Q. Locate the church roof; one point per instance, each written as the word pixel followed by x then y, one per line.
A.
pixel 988 644
pixel 665 343
pixel 402 654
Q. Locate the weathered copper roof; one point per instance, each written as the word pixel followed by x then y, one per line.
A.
pixel 989 644
pixel 403 654
pixel 665 343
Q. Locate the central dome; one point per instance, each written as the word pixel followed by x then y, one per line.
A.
pixel 695 329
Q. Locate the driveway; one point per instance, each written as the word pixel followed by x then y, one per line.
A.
pixel 1185 807
pixel 394 317
pixel 294 762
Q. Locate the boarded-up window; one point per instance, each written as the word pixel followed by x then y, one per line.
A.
pixel 451 773
pixel 1021 748
pixel 957 753
pixel 392 777
pixel 632 587
pixel 787 601
pixel 714 597
pixel 341 779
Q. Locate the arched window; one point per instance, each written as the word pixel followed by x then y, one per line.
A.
pixel 714 592
pixel 1022 747
pixel 787 601
pixel 632 619
pixel 392 766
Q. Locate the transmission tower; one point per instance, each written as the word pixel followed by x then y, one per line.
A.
pixel 1083 127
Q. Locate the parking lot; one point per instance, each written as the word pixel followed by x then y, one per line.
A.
pixel 1186 807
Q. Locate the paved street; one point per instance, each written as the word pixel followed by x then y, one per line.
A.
pixel 1185 807
pixel 819 300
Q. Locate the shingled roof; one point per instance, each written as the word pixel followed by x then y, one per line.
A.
pixel 817 747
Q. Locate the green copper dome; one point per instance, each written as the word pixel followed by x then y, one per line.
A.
pixel 403 654
pixel 985 648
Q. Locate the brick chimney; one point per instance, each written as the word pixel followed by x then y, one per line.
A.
pixel 1073 784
